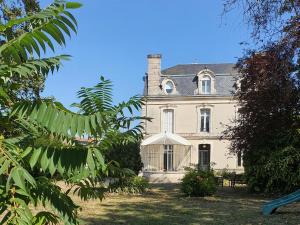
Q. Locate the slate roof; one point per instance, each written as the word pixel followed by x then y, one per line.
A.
pixel 185 79
pixel 184 69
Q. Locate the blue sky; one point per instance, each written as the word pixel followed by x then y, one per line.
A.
pixel 115 36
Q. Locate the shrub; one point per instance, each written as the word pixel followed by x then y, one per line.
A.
pixel 276 173
pixel 132 185
pixel 127 155
pixel 198 183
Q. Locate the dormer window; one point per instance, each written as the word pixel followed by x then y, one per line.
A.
pixel 206 85
pixel 169 87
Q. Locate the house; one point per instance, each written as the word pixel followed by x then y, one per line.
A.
pixel 190 105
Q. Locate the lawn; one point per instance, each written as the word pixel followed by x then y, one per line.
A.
pixel 164 204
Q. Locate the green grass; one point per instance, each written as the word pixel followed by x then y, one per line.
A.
pixel 164 204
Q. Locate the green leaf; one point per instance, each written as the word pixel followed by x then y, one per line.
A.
pixel 35 156
pixel 44 161
pixel 4 166
pixel 52 167
pixel 26 152
pixel 18 178
pixel 28 177
pixel 73 5
pixel 90 160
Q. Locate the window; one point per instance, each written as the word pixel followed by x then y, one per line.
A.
pixel 239 159
pixel 168 158
pixel 169 87
pixel 204 120
pixel 204 157
pixel 168 121
pixel 206 85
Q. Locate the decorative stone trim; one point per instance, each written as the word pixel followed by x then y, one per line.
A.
pixel 201 75
pixel 163 85
pixel 198 108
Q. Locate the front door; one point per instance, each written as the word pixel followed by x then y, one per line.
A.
pixel 168 158
pixel 204 157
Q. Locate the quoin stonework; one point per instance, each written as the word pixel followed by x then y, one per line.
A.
pixel 190 105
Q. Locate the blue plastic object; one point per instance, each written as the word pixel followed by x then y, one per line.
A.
pixel 271 206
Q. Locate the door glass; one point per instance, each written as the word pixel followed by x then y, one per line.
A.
pixel 204 157
pixel 168 158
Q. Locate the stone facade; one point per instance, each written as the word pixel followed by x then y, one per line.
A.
pixel 189 94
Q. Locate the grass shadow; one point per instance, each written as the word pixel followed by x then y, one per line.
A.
pixel 164 204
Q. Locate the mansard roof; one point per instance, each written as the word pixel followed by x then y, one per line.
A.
pixel 193 69
pixel 185 77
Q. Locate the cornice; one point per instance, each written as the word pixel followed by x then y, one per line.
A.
pixel 182 98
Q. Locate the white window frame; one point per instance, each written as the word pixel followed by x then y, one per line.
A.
pixel 163 85
pixel 162 128
pixel 206 84
pixel 205 114
pixel 199 108
pixel 202 76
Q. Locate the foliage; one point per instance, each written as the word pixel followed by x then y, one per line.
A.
pixel 28 87
pixel 278 173
pixel 269 96
pixel 198 183
pixel 268 18
pixel 132 184
pixel 43 146
pixel 269 109
pixel 127 155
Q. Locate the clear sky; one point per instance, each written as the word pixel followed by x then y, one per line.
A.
pixel 115 36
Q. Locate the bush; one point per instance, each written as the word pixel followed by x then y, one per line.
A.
pixel 198 183
pixel 127 155
pixel 132 185
pixel 278 172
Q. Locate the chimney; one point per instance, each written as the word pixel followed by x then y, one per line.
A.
pixel 154 71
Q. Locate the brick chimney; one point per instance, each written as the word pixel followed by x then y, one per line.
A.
pixel 154 72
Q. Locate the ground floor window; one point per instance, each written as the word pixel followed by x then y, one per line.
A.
pixel 168 158
pixel 204 156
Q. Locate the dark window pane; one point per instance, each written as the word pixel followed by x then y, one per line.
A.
pixel 202 123
pixel 207 123
pixel 208 87
pixel 168 158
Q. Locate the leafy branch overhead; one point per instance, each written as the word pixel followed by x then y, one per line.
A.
pixel 39 138
pixel 96 116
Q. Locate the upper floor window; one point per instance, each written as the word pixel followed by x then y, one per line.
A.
pixel 169 87
pixel 206 85
pixel 204 120
pixel 168 121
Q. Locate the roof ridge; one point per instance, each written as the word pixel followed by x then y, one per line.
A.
pixel 182 64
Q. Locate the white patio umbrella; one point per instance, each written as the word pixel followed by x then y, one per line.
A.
pixel 165 139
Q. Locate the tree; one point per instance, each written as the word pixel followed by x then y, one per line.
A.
pixel 44 147
pixel 267 18
pixel 267 129
pixel 267 123
pixel 127 155
pixel 31 86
